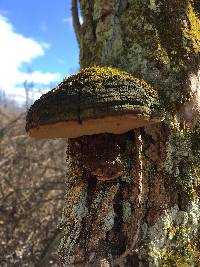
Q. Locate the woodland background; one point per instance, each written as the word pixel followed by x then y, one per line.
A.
pixel 32 182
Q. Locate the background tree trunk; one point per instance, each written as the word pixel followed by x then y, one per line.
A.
pixel 149 216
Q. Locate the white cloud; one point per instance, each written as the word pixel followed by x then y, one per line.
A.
pixel 15 50
pixel 38 77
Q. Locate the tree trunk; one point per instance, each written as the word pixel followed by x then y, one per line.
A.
pixel 149 215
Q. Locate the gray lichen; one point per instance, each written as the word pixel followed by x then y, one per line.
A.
pixel 173 240
pixel 108 220
pixel 79 210
pixel 126 211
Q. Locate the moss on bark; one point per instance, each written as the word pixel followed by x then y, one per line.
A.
pixel 157 41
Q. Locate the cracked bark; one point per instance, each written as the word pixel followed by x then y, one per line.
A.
pixel 109 228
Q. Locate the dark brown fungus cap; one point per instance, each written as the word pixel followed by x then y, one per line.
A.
pixel 93 101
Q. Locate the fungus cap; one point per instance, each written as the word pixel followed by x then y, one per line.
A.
pixel 93 101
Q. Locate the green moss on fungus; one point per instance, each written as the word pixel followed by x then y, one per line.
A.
pixel 95 92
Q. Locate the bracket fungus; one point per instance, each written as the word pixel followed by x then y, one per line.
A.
pixel 95 100
pixel 92 108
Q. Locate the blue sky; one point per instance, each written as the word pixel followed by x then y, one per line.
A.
pixel 38 39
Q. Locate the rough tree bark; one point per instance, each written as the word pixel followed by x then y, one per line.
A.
pixel 150 215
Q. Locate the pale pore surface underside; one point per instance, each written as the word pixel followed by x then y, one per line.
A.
pixel 73 129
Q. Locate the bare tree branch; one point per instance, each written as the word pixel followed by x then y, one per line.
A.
pixel 76 21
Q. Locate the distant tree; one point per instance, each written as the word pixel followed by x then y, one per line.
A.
pixel 158 41
pixel 3 100
pixel 28 88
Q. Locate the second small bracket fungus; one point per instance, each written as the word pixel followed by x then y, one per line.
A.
pixel 100 156
pixel 93 101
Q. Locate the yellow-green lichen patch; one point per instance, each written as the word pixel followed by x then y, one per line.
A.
pixel 192 30
pixel 184 252
pixel 183 40
pixel 163 46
